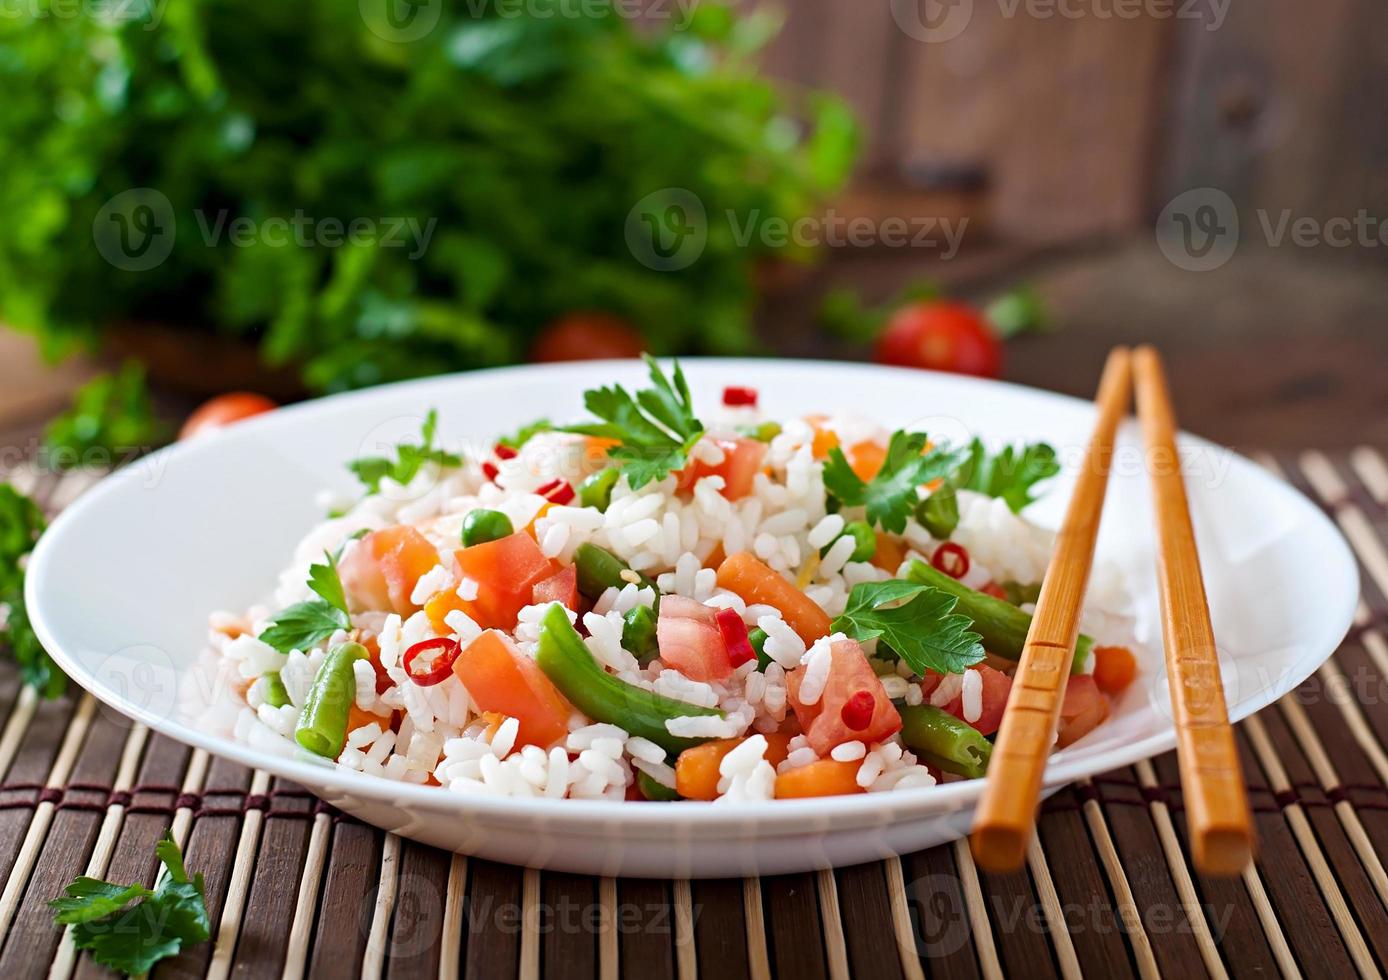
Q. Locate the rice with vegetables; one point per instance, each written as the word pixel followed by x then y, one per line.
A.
pixel 649 606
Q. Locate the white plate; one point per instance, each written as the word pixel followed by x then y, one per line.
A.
pixel 120 587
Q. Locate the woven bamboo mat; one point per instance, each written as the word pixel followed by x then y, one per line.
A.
pixel 297 888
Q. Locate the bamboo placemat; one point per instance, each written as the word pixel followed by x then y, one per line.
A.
pixel 297 888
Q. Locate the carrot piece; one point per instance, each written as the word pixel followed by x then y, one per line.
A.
pixel 755 582
pixel 865 459
pixel 827 777
pixel 696 770
pixel 825 439
pixel 358 717
pixel 1114 668
pixel 440 604
pixel 890 553
pixel 530 528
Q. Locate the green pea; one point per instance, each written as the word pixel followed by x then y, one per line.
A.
pixel 757 637
pixel 638 633
pixel 481 526
pixel 596 488
pixel 864 541
pixel 764 432
pixel 939 512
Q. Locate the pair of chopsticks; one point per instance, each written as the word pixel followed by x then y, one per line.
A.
pixel 1216 801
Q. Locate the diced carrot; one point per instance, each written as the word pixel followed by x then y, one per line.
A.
pixel 755 582
pixel 530 528
pixel 595 453
pixel 866 458
pixel 827 777
pixel 696 770
pixel 890 553
pixel 358 717
pixel 502 679
pixel 1114 668
pixel 825 439
pixel 716 556
pixel 440 604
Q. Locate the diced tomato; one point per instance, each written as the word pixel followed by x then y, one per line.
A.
pixel 689 639
pixel 849 674
pixel 379 571
pixel 561 587
pixel 500 678
pixel 995 590
pixel 866 458
pixel 1082 710
pixel 741 461
pixel 506 572
pixel 996 686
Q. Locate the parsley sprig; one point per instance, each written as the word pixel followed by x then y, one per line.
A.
pixel 917 621
pixel 132 938
pixel 890 496
pixel 655 430
pixel 304 625
pixel 1010 474
pixel 21 523
pixel 408 460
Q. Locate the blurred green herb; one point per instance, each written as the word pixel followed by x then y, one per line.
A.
pixel 1018 311
pixel 844 314
pixel 1010 474
pixel 370 470
pixel 367 207
pixel 21 523
pixel 111 416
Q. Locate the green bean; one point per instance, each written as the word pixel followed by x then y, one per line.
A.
pixel 939 512
pixel 569 665
pixel 600 570
pixel 322 727
pixel 1002 625
pixel 654 791
pixel 944 741
pixel 481 526
pixel 596 488
pixel 864 541
pixel 757 637
pixel 638 633
pixel 275 694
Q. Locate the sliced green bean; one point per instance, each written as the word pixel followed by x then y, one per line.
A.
pixel 322 727
pixel 654 791
pixel 944 741
pixel 567 662
pixel 638 633
pixel 757 637
pixel 275 694
pixel 600 570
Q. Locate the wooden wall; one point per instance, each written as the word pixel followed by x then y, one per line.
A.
pixel 1086 125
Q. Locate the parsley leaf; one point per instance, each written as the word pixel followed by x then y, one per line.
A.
pixel 891 495
pixel 917 621
pixel 655 430
pixel 21 523
pixel 133 938
pixel 306 624
pixel 409 459
pixel 1010 475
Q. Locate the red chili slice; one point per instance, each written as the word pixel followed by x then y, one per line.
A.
pixel 951 559
pixel 503 451
pixel 735 637
pixel 443 663
pixel 557 492
pixel 490 471
pixel 857 710
pixel 736 395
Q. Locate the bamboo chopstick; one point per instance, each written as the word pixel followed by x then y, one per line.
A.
pixel 1003 824
pixel 1216 800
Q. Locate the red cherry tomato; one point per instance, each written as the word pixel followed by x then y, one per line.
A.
pixel 587 337
pixel 224 410
pixel 942 336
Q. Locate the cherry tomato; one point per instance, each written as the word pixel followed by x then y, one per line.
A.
pixel 942 336
pixel 587 337
pixel 224 410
